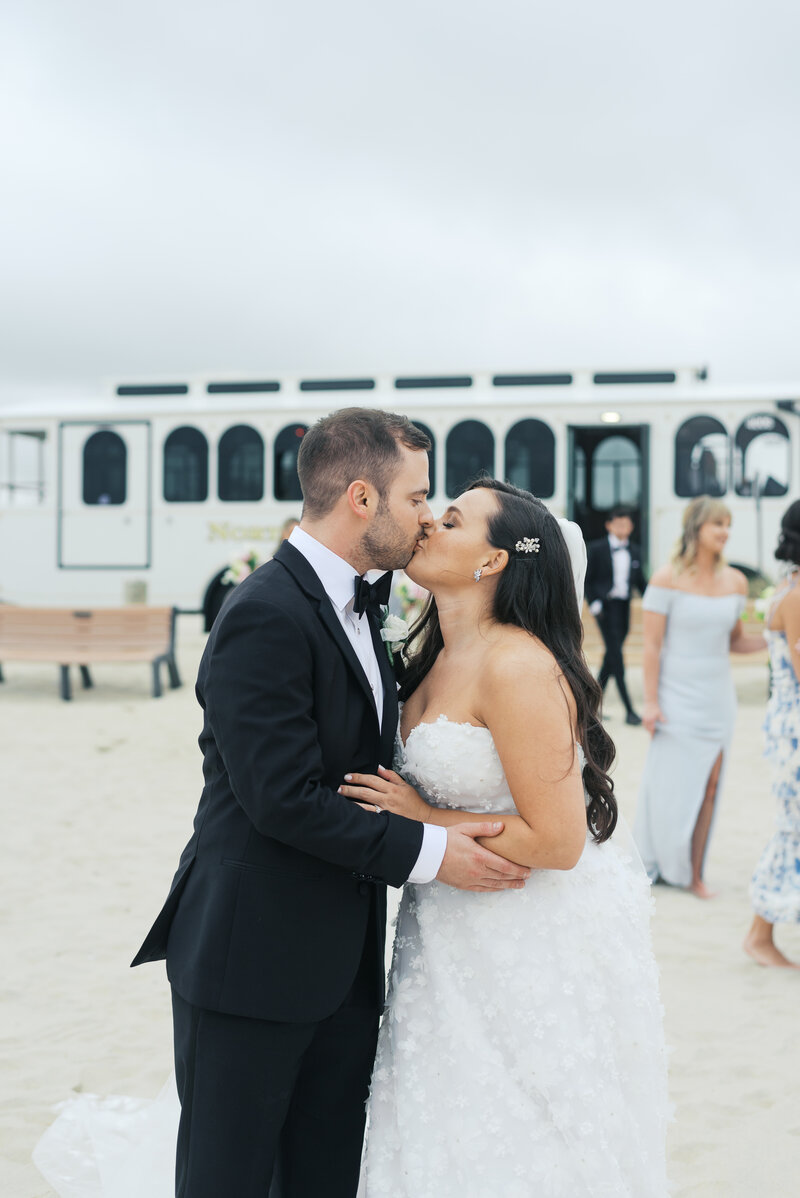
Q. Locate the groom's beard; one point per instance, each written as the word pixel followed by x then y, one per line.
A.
pixel 386 544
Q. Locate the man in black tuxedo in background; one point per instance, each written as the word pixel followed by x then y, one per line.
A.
pixel 273 931
pixel 613 571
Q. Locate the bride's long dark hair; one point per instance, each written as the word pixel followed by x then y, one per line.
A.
pixel 535 591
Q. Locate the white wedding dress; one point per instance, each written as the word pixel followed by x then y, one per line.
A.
pixel 522 1051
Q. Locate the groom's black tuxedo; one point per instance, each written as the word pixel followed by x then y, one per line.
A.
pixel 279 898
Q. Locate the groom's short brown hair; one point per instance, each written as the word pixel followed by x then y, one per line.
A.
pixel 349 444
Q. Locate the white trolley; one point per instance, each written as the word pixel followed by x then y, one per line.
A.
pixel 146 492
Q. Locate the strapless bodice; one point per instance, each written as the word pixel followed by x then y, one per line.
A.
pixel 456 765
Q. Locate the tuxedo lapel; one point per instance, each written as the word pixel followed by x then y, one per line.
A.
pixel 389 721
pixel 309 581
pixel 331 622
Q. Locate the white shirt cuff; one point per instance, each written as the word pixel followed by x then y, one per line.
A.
pixel 431 855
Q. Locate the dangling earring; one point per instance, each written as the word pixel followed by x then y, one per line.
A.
pixel 476 574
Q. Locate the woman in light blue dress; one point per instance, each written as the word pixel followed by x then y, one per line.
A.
pixel 691 624
pixel 775 886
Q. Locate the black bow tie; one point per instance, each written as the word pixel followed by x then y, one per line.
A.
pixel 616 548
pixel 371 596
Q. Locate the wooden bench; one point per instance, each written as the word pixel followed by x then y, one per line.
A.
pixel 84 638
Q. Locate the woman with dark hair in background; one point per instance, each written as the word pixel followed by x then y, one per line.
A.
pixel 522 1050
pixel 775 887
pixel 691 624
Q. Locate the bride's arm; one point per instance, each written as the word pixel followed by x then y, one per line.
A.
pixel 527 706
pixel 389 791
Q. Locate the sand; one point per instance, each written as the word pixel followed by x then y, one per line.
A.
pixel 98 797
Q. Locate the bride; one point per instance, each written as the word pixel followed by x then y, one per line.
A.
pixel 522 1049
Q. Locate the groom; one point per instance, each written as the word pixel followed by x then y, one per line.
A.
pixel 273 931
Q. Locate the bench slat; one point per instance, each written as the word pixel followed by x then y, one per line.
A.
pixel 82 637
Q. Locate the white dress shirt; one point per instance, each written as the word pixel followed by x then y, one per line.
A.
pixel 337 577
pixel 621 564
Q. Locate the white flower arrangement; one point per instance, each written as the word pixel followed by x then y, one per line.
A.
pixel 758 605
pixel 394 631
pixel 762 603
pixel 240 567
pixel 411 597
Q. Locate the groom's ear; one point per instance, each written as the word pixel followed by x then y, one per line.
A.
pixel 360 499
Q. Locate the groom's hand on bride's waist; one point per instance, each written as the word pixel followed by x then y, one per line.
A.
pixel 469 866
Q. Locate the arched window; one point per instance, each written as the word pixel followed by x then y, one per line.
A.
pixel 762 456
pixel 531 457
pixel 105 468
pixel 701 458
pixel 423 428
pixel 185 466
pixel 579 475
pixel 616 473
pixel 285 483
pixel 240 463
pixel 469 451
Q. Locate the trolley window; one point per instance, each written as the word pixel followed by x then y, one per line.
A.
pixel 469 451
pixel 531 457
pixel 579 479
pixel 240 464
pixel 762 456
pixel 616 473
pixel 22 481
pixel 105 468
pixel 423 428
pixel 286 484
pixel 701 458
pixel 185 466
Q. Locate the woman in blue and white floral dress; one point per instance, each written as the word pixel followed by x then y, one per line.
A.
pixel 775 887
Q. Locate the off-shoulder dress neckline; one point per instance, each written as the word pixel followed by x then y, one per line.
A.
pixel 439 720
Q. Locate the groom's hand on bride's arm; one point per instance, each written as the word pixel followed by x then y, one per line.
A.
pixel 469 866
pixel 466 864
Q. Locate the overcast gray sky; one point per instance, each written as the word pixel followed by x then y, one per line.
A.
pixel 253 188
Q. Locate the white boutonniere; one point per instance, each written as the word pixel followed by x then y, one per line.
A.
pixel 394 631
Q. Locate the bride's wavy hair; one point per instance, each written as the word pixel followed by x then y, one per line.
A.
pixel 536 591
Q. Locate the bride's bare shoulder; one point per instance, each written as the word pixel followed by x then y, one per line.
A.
pixel 524 682
pixel 517 654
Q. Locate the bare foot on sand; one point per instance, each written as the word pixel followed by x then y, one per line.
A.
pixel 766 953
pixel 701 890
